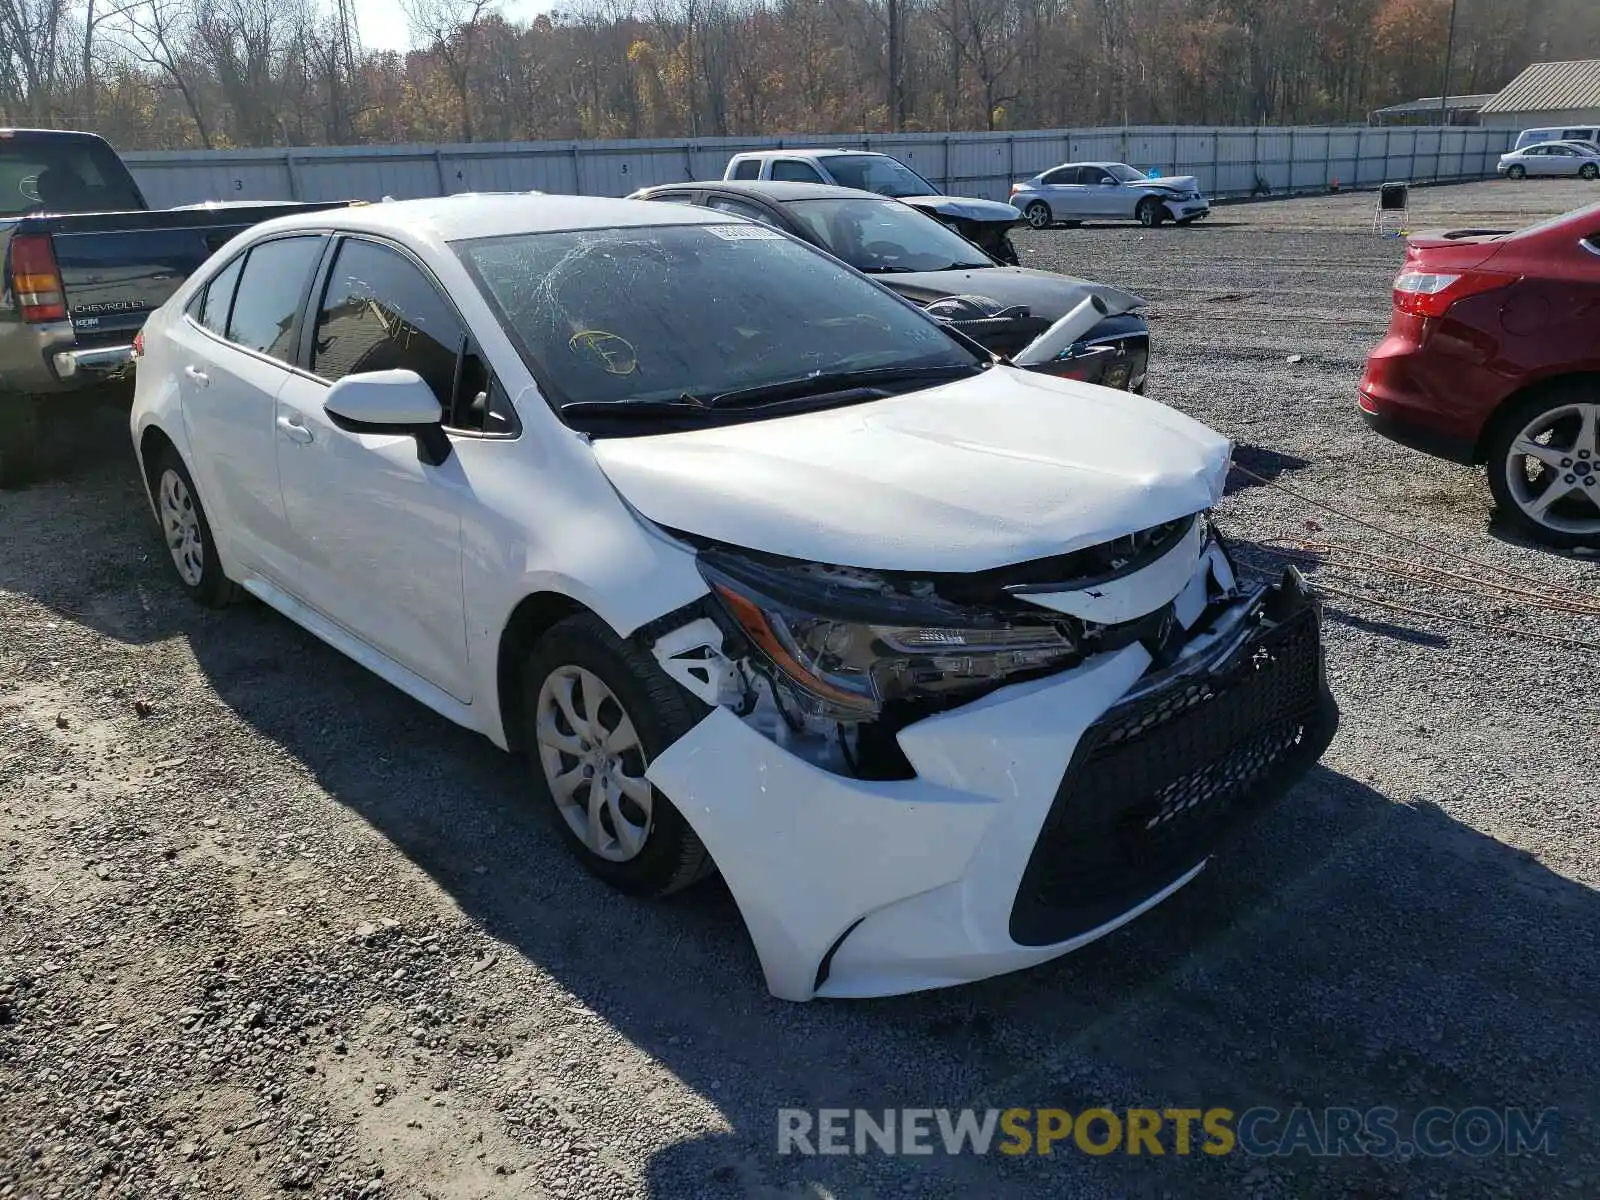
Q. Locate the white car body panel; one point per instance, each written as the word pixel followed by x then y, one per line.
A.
pixel 416 571
pixel 962 477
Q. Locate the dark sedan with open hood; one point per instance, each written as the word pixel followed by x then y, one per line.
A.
pixel 1004 308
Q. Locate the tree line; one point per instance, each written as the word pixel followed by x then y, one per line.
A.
pixel 170 74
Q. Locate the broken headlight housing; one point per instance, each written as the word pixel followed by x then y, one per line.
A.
pixel 843 643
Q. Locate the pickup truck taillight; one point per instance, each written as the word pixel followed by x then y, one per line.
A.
pixel 138 345
pixel 36 279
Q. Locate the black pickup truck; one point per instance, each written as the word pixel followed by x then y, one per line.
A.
pixel 85 262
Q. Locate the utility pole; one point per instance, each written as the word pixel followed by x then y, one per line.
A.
pixel 894 66
pixel 1449 48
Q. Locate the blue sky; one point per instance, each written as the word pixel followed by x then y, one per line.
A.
pixel 383 22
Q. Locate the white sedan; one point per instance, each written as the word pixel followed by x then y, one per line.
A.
pixel 938 662
pixel 1581 159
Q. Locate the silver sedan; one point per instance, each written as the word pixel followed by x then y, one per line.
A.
pixel 1579 159
pixel 1075 192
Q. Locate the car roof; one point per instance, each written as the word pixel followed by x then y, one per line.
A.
pixel 1106 163
pixel 810 152
pixel 777 190
pixel 455 218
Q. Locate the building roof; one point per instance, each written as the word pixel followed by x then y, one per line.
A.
pixel 1550 87
pixel 1429 104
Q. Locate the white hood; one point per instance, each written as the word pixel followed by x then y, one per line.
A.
pixel 985 472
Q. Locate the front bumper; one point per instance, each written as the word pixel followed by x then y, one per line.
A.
pixel 1042 816
pixel 1189 210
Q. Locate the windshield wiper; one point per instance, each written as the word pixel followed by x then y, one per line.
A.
pixel 825 383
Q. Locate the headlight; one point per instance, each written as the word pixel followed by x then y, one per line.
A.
pixel 846 643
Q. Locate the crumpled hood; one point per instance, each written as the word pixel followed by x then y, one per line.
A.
pixel 966 207
pixel 1002 468
pixel 1177 184
pixel 1045 293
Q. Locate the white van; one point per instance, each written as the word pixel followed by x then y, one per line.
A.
pixel 1577 133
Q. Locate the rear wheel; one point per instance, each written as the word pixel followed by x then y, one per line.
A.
pixel 597 711
pixel 1544 466
pixel 19 440
pixel 187 533
pixel 1516 171
pixel 1037 214
pixel 1151 212
pixel 1589 171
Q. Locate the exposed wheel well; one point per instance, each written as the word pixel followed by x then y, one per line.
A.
pixel 530 620
pixel 1480 452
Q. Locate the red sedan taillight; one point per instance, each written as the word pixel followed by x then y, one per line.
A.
pixel 1430 294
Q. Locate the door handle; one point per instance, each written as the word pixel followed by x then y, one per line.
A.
pixel 292 429
pixel 199 377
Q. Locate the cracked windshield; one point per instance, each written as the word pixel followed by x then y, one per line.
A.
pixel 689 312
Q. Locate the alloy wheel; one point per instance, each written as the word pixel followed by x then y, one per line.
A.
pixel 1037 214
pixel 180 522
pixel 1552 469
pixel 594 763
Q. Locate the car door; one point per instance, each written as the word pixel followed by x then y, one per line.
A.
pixel 1064 194
pixel 235 343
pixel 1100 197
pixel 377 531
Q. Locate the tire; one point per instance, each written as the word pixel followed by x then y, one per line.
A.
pixel 1589 171
pixel 1571 415
pixel 1151 212
pixel 186 532
pixel 1516 171
pixel 19 440
pixel 666 855
pixel 1037 214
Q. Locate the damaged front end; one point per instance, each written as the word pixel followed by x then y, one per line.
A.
pixel 1126 707
pixel 832 662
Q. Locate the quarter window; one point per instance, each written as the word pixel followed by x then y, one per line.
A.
pixel 218 298
pixel 265 313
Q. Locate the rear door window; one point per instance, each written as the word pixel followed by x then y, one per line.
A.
pixel 790 170
pixel 750 168
pixel 266 312
pixel 740 209
pixel 1061 177
pixel 63 175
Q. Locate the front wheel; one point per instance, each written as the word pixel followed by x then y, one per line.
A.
pixel 1037 214
pixel 1544 466
pixel 19 440
pixel 597 710
pixel 1589 171
pixel 1151 212
pixel 1517 172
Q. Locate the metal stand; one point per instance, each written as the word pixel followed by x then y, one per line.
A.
pixel 1393 213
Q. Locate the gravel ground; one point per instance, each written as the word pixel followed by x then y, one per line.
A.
pixel 266 925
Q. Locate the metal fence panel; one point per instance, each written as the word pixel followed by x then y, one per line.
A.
pixel 1228 161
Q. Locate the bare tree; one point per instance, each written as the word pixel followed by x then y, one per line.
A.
pixel 157 34
pixel 31 33
pixel 449 29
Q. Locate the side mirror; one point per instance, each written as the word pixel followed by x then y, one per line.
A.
pixel 390 402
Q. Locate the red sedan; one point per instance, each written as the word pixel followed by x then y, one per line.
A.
pixel 1493 357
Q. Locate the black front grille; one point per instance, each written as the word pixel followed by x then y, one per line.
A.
pixel 1159 782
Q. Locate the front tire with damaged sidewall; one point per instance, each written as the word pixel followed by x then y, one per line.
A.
pixel 660 712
